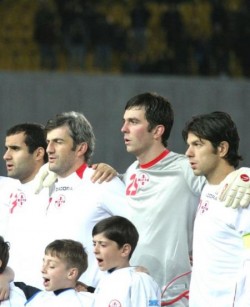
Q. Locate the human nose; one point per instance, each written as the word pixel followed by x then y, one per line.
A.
pixel 96 249
pixel 124 127
pixel 189 152
pixel 43 269
pixel 50 148
pixel 7 155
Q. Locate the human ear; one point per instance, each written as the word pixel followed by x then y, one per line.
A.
pixel 126 249
pixel 82 148
pixel 223 148
pixel 158 131
pixel 40 152
pixel 72 274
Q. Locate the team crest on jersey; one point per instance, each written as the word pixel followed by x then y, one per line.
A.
pixel 59 201
pixel 115 303
pixel 203 207
pixel 17 200
pixel 137 181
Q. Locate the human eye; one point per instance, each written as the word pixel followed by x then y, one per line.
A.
pixel 134 121
pixel 15 148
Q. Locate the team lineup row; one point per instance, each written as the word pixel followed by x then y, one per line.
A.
pixel 164 194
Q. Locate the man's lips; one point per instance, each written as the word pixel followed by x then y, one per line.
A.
pixel 51 159
pixel 126 141
pixel 193 165
pixel 9 167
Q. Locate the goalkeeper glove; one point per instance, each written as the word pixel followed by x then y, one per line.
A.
pixel 44 178
pixel 235 189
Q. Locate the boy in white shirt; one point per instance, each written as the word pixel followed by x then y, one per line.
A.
pixel 64 261
pixel 17 297
pixel 115 239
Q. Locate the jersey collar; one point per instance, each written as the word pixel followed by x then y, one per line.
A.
pixel 81 170
pixel 157 159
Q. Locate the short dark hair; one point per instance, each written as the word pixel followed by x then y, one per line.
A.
pixel 80 129
pixel 158 111
pixel 118 229
pixel 72 252
pixel 4 253
pixel 34 136
pixel 216 127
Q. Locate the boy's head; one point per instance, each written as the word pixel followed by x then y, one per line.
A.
pixel 4 254
pixel 63 263
pixel 115 239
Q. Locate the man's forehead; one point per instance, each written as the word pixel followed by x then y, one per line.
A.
pixel 16 138
pixel 135 112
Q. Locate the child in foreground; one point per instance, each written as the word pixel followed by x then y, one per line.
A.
pixel 63 263
pixel 115 239
pixel 17 297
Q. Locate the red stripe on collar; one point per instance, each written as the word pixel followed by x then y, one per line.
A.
pixel 81 170
pixel 157 159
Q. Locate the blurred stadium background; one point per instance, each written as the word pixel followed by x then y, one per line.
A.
pixel 92 56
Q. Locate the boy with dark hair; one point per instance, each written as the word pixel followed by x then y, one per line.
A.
pixel 17 297
pixel 115 239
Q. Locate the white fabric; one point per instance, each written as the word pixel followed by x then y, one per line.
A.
pixel 76 205
pixel 163 198
pixel 17 298
pixel 126 287
pixel 25 231
pixel 67 298
pixel 218 253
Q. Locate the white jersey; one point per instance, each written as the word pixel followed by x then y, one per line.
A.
pixel 16 299
pixel 163 196
pixel 65 298
pixel 25 231
pixel 218 254
pixel 6 186
pixel 76 205
pixel 127 288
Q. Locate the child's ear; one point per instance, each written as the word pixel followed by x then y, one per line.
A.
pixel 126 249
pixel 1 262
pixel 73 273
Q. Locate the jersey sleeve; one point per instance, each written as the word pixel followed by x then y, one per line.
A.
pixel 113 199
pixel 144 291
pixel 195 183
pixel 242 292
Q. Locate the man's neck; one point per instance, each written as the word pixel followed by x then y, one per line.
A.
pixel 219 174
pixel 150 155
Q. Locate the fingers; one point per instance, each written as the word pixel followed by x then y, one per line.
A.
pixel 244 203
pixel 4 295
pixel 103 172
pixel 49 180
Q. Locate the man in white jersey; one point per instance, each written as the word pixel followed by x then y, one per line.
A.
pixel 76 203
pixel 221 247
pixel 24 211
pixel 162 193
